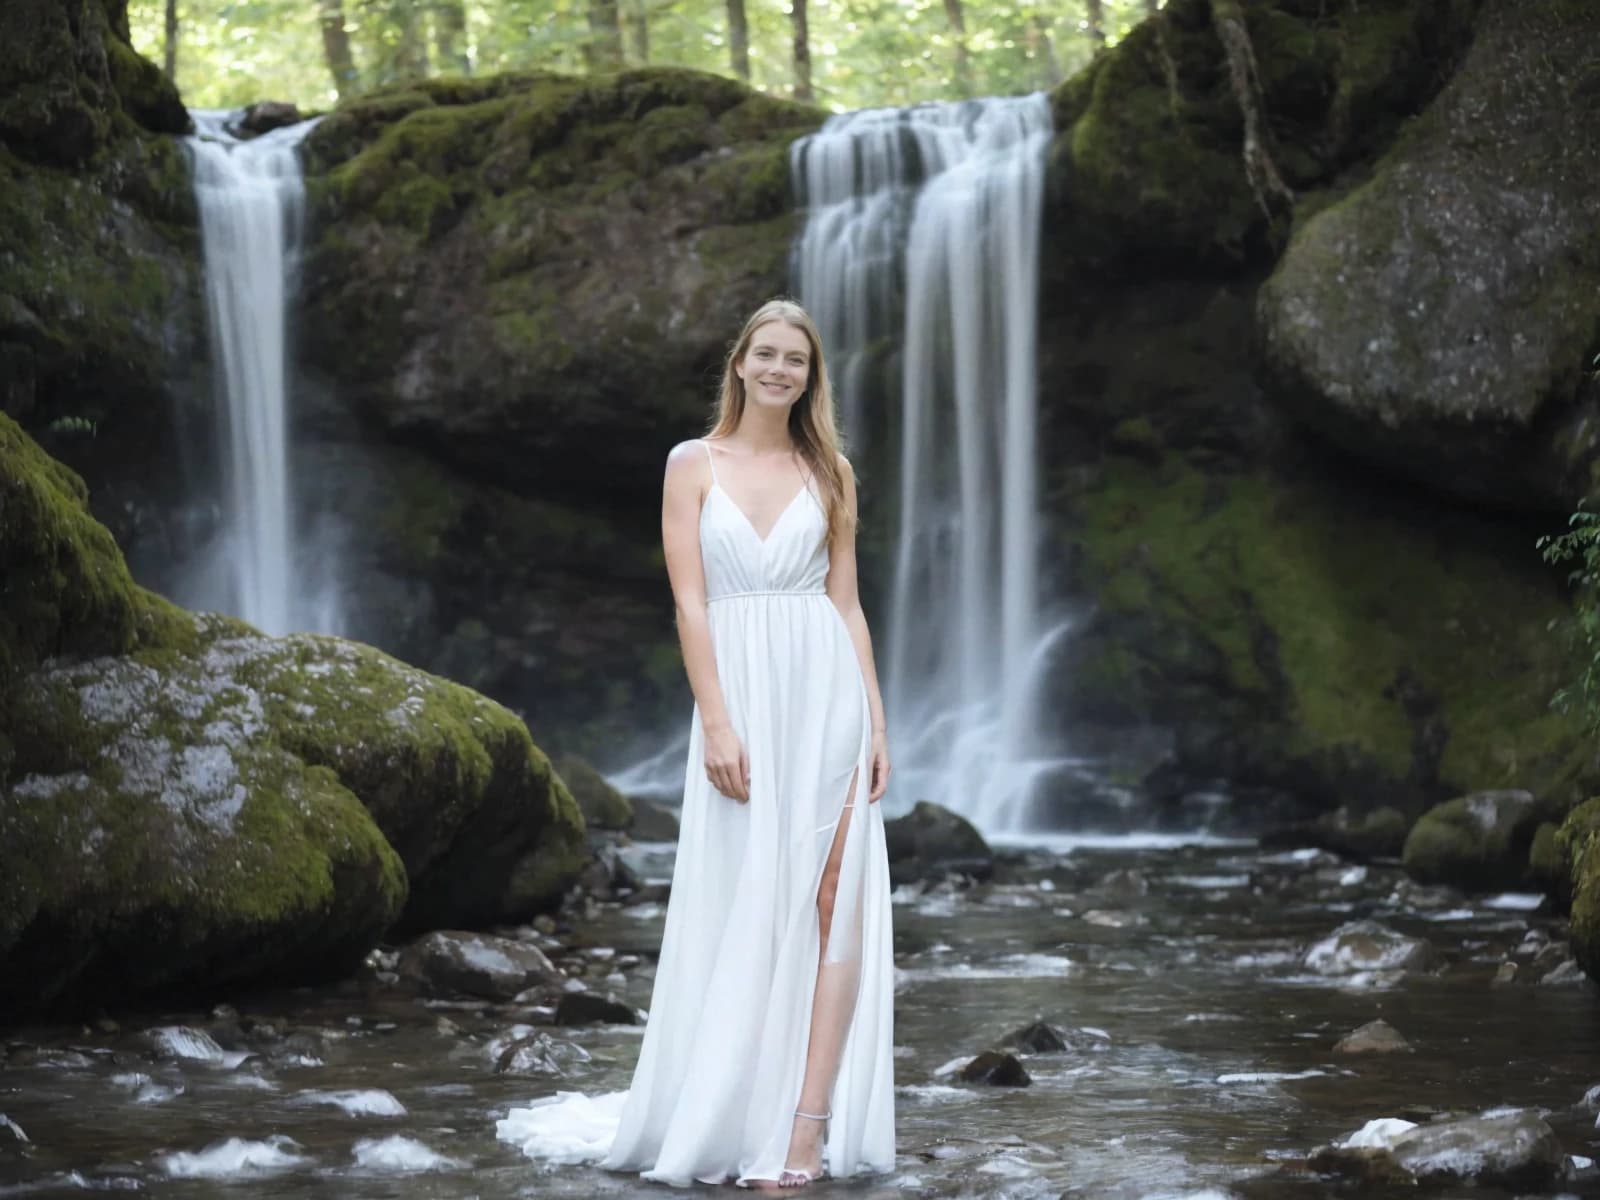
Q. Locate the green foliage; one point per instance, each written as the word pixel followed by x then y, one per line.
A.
pixel 863 52
pixel 1580 545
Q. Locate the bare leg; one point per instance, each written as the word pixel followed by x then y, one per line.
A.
pixel 832 1007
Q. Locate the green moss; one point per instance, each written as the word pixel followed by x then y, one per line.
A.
pixel 1480 842
pixel 1579 844
pixel 602 805
pixel 1330 625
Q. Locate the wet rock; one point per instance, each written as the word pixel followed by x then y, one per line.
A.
pixel 608 875
pixel 538 1054
pixel 1505 973
pixel 183 1042
pixel 591 1008
pixel 1375 1037
pixel 1361 946
pixel 264 116
pixel 1123 884
pixel 1478 842
pixel 477 964
pixel 1377 834
pixel 653 822
pixel 1038 1038
pixel 11 1133
pixel 996 1069
pixel 1509 1149
pixel 603 807
pixel 1566 974
pixel 1115 918
pixel 931 842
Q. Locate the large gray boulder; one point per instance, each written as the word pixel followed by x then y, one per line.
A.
pixel 1440 319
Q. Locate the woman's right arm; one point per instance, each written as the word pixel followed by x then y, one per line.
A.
pixel 683 491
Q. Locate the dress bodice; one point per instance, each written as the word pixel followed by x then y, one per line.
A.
pixel 793 557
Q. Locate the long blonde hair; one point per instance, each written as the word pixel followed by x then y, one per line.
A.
pixel 813 422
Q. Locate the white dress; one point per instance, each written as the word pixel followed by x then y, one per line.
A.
pixel 719 1073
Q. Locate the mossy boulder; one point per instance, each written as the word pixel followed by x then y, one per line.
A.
pixel 1578 844
pixel 1440 319
pixel 1547 864
pixel 185 803
pixel 1147 168
pixel 1479 843
pixel 603 807
pixel 70 82
pixel 1300 629
pixel 479 276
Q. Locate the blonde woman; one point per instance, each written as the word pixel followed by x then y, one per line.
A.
pixel 768 1057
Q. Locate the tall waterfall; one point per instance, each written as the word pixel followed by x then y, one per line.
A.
pixel 922 232
pixel 251 197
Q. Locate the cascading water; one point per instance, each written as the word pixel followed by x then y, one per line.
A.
pixel 922 231
pixel 251 197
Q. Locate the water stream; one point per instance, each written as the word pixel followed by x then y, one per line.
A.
pixel 921 244
pixel 1201 1062
pixel 251 198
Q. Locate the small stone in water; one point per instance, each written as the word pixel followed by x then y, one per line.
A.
pixel 588 1008
pixel 1505 973
pixel 1375 1037
pixel 1038 1038
pixel 996 1069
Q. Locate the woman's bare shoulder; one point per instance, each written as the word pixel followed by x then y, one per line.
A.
pixel 686 459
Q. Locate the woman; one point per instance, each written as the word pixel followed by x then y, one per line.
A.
pixel 769 1048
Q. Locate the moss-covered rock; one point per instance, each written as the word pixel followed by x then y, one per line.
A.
pixel 1547 865
pixel 185 803
pixel 1479 843
pixel 1147 167
pixel 70 82
pixel 1305 631
pixel 479 275
pixel 1579 844
pixel 1440 319
pixel 603 807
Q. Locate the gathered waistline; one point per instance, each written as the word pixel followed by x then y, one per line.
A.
pixel 775 592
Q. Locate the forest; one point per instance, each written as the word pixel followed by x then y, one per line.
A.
pixel 839 54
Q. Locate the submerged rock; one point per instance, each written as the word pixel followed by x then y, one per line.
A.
pixel 1362 946
pixel 1038 1038
pixel 996 1069
pixel 477 964
pixel 931 842
pixel 591 1008
pixel 1479 842
pixel 1375 1037
pixel 1515 1150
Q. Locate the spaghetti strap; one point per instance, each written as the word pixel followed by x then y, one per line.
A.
pixel 711 460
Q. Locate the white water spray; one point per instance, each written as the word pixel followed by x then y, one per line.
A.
pixel 251 197
pixel 923 229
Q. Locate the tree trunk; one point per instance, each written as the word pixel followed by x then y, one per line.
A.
pixel 1094 19
pixel 170 51
pixel 636 32
pixel 1042 47
pixel 739 39
pixel 410 49
pixel 1152 7
pixel 802 52
pixel 336 47
pixel 605 36
pixel 958 36
pixel 450 36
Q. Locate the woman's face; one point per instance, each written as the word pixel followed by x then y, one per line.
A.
pixel 776 366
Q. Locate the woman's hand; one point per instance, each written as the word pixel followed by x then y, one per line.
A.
pixel 880 765
pixel 726 765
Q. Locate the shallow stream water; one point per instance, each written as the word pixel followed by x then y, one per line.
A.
pixel 1202 1061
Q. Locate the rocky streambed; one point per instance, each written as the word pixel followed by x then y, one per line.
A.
pixel 1161 1018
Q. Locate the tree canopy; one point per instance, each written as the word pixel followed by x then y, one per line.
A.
pixel 848 53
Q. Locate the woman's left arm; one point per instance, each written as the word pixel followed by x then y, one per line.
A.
pixel 843 592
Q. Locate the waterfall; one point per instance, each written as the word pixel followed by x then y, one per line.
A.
pixel 251 198
pixel 922 232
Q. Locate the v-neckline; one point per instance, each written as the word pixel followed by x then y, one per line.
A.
pixel 751 525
